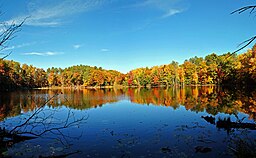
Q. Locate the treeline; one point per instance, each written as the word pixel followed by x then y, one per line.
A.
pixel 213 69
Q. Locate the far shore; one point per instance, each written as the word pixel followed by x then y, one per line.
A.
pixel 119 86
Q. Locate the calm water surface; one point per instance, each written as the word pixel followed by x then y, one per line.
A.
pixel 174 122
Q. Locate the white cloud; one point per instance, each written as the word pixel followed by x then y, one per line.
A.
pixel 168 7
pixel 43 53
pixel 104 50
pixel 77 46
pixel 20 46
pixel 57 12
pixel 52 13
pixel 171 12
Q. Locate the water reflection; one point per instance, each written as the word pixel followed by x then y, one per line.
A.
pixel 212 99
pixel 157 122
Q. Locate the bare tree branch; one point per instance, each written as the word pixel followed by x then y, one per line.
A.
pixel 44 122
pixel 8 32
pixel 35 113
pixel 6 55
pixel 245 44
pixel 250 8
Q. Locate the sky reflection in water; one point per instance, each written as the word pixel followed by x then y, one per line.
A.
pixel 128 123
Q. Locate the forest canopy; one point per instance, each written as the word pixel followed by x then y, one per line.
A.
pixel 212 69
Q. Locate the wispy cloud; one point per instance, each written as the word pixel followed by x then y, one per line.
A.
pixel 104 50
pixel 52 13
pixel 77 46
pixel 171 12
pixel 167 7
pixel 55 13
pixel 20 46
pixel 43 53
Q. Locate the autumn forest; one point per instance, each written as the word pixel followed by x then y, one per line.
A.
pixel 223 69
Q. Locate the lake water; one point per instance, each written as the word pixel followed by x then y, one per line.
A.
pixel 156 122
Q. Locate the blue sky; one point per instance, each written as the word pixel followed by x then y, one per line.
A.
pixel 124 34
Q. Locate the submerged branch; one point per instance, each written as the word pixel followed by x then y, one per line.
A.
pixel 40 122
pixel 35 113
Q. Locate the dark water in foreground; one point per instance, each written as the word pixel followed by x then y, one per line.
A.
pixel 174 122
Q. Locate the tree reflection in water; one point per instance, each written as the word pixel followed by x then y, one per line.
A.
pixel 213 100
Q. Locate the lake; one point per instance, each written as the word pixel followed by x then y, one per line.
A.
pixel 158 122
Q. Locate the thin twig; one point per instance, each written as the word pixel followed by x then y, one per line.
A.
pixel 246 42
pixel 36 112
pixel 243 9
pixel 8 33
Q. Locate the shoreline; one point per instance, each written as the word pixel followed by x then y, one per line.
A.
pixel 124 87
pixel 121 87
